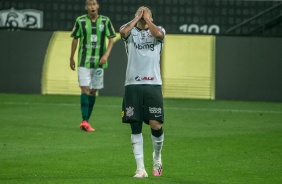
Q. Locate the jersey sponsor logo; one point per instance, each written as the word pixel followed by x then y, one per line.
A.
pixel 129 111
pixel 138 78
pixel 28 18
pixel 155 110
pixel 93 57
pixel 144 46
pixel 92 46
pixel 93 38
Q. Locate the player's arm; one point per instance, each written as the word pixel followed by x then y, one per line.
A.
pixel 104 58
pixel 126 28
pixel 155 30
pixel 73 49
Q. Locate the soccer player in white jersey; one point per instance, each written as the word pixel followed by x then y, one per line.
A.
pixel 143 100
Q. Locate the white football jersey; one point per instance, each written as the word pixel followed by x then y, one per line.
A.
pixel 143 52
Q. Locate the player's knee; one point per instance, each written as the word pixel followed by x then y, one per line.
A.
pixel 136 127
pixel 84 89
pixel 155 125
pixel 92 92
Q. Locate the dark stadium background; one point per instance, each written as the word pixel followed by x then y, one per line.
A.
pixel 248 41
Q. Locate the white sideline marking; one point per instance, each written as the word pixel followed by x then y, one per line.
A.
pixel 166 108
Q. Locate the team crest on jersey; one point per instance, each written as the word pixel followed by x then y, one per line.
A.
pixel 129 111
pixel 101 27
pixel 98 72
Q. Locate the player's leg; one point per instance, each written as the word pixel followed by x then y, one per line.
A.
pixel 157 136
pixel 84 79
pixel 137 147
pixel 155 117
pixel 97 82
pixel 92 100
pixel 84 102
pixel 131 113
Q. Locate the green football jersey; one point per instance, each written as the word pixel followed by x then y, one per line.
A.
pixel 92 39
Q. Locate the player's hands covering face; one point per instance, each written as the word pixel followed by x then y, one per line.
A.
pixel 139 12
pixel 147 13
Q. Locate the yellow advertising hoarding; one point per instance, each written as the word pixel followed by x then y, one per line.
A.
pixel 188 63
pixel 187 66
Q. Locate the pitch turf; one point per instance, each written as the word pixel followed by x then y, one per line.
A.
pixel 206 142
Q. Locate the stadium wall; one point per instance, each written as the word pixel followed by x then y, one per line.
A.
pixel 21 60
pixel 58 78
pixel 248 68
pixel 233 68
pixel 261 18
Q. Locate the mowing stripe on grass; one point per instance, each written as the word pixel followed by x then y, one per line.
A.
pixel 167 108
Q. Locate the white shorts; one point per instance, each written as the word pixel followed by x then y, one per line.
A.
pixel 92 77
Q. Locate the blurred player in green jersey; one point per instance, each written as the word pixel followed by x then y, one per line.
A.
pixel 91 31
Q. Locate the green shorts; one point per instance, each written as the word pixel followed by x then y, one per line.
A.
pixel 142 103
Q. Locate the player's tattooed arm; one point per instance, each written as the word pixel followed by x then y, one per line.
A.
pixel 126 28
pixel 129 25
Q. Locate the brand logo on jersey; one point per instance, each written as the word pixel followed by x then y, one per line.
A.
pixel 155 110
pixel 144 46
pixel 129 111
pixel 138 78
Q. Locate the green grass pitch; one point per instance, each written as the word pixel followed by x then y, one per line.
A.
pixel 206 142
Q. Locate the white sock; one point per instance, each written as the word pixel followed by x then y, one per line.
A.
pixel 157 145
pixel 137 146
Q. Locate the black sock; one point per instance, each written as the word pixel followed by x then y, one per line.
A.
pixel 157 133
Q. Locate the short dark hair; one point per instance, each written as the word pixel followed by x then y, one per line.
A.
pixel 90 0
